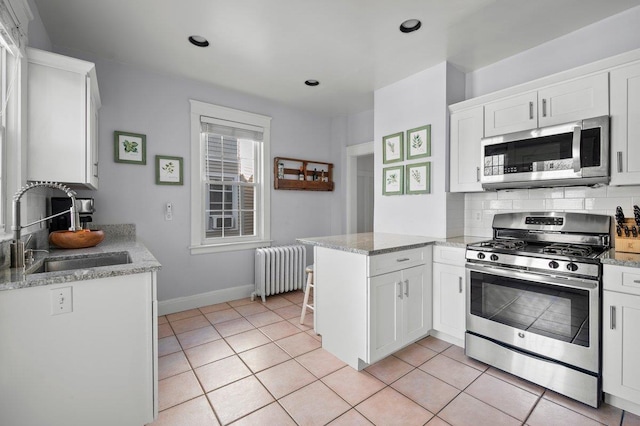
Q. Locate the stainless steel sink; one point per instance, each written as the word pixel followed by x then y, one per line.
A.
pixel 85 262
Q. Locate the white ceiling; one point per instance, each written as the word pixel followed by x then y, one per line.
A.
pixel 269 48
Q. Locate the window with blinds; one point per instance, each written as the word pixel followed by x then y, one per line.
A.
pixel 230 179
pixel 230 200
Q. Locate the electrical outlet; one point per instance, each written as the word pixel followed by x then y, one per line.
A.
pixel 168 212
pixel 61 301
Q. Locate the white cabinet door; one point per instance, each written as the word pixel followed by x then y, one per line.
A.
pixel 467 129
pixel 63 101
pixel 449 299
pixel 621 346
pixel 575 100
pixel 399 310
pixel 510 115
pixel 416 304
pixel 385 315
pixel 625 125
pixel 578 99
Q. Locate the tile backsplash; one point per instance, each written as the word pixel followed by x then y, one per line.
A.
pixel 481 206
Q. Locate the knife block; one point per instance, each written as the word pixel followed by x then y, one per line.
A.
pixel 628 244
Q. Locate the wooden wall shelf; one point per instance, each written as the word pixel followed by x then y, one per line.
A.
pixel 313 172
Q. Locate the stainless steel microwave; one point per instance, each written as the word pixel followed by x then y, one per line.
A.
pixel 575 153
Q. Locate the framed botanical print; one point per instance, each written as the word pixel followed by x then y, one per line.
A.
pixel 392 180
pixel 392 148
pixel 419 142
pixel 130 147
pixel 168 170
pixel 419 178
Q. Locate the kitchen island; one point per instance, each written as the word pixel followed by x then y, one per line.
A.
pixel 372 293
pixel 80 346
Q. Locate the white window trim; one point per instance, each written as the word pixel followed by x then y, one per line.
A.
pixel 198 216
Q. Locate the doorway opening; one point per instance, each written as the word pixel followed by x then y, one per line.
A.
pixel 360 188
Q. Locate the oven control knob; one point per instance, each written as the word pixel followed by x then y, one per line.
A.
pixel 572 267
pixel 494 257
pixel 480 256
pixel 553 264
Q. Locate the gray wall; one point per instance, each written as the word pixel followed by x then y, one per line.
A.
pixel 611 36
pixel 141 101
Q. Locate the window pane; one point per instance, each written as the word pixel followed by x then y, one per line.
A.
pixel 247 222
pixel 229 196
pixel 246 155
pixel 247 197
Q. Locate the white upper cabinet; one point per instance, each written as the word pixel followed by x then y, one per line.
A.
pixel 467 128
pixel 577 99
pixel 510 115
pixel 585 97
pixel 625 125
pixel 63 103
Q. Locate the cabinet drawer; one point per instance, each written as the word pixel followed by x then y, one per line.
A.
pixel 449 255
pixel 622 279
pixel 389 262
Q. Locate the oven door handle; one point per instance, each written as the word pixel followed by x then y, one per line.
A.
pixel 540 278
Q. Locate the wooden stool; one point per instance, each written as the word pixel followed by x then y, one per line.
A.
pixel 305 303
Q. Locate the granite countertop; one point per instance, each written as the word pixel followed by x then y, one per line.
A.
pixel 114 242
pixel 619 258
pixel 373 243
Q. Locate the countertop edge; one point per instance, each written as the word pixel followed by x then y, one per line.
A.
pixel 142 261
pixel 611 257
pixel 326 242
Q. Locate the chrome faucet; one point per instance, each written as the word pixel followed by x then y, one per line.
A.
pixel 17 246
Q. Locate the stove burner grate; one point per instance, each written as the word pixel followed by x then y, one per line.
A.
pixel 568 250
pixel 504 244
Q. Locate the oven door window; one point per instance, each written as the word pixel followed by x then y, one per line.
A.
pixel 553 311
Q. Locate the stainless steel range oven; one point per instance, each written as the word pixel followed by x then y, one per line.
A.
pixel 534 300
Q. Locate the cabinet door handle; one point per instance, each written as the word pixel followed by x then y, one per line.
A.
pixel 406 288
pixel 477 174
pixel 619 161
pixel 544 107
pixel 96 173
pixel 459 284
pixel 636 281
pixel 530 110
pixel 402 259
pixel 399 289
pixel 612 317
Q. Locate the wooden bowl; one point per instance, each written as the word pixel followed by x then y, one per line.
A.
pixel 76 239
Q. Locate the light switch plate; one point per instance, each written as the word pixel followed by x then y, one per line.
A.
pixel 61 301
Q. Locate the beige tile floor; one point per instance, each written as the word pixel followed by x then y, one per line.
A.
pixel 249 363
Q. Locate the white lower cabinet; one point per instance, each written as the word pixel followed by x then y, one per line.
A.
pixel 449 291
pixel 621 328
pixel 367 307
pixel 398 311
pixel 92 364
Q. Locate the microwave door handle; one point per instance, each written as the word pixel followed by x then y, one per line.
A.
pixel 575 151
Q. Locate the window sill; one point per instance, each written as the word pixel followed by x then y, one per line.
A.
pixel 225 247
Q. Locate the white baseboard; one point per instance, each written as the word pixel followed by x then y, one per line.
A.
pixel 622 403
pixel 204 299
pixel 447 338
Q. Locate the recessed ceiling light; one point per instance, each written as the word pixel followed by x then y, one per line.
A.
pixel 312 82
pixel 198 41
pixel 410 25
